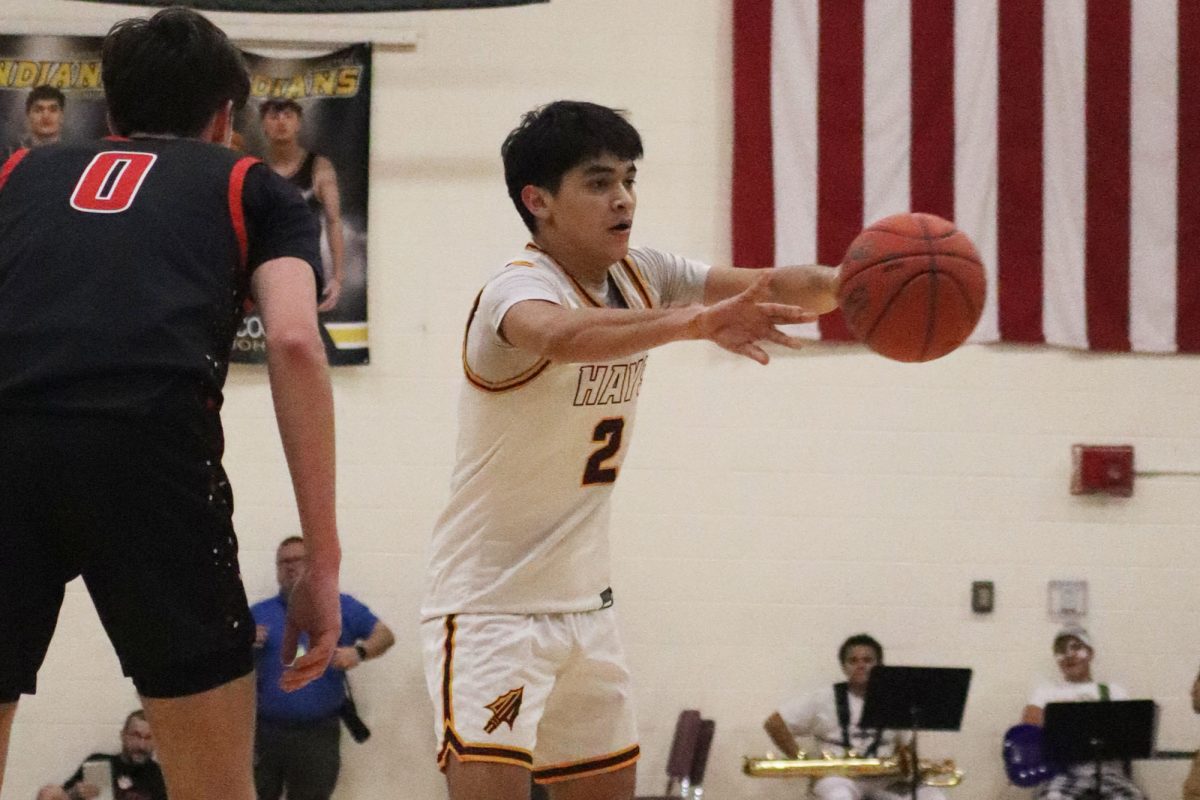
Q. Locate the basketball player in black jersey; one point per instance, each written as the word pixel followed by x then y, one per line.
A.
pixel 124 268
pixel 314 175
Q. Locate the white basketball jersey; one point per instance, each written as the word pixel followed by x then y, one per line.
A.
pixel 540 446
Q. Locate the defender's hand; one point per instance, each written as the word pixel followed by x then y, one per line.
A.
pixel 313 608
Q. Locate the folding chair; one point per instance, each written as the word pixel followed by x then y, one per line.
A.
pixel 700 757
pixel 689 757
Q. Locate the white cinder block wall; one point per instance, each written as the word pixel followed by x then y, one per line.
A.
pixel 765 514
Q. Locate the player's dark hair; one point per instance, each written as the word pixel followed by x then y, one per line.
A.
pixel 45 93
pixel 860 640
pixel 279 104
pixel 170 73
pixel 137 713
pixel 290 540
pixel 553 139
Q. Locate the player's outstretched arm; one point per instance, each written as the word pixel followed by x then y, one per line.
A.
pixel 285 291
pixel 737 324
pixel 811 286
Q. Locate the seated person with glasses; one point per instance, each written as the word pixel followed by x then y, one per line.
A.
pixel 135 773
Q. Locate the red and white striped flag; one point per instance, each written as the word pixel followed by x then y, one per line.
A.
pixel 1062 135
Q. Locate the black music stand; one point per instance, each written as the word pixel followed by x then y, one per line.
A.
pixel 916 698
pixel 1116 730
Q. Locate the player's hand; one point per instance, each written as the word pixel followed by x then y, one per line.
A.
pixel 740 322
pixel 345 658
pixel 313 608
pixel 329 297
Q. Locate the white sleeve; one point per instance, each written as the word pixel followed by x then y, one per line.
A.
pixel 1117 692
pixel 1040 695
pixel 799 714
pixel 513 285
pixel 487 356
pixel 679 281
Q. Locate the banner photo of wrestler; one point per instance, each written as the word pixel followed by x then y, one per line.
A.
pixel 309 119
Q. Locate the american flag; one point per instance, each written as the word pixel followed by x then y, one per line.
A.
pixel 1062 135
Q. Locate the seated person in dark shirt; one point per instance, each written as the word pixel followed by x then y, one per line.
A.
pixel 135 773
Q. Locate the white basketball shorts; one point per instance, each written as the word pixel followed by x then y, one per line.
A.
pixel 549 692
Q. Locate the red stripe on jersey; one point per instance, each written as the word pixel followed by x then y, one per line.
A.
pixel 753 167
pixel 1019 168
pixel 1109 28
pixel 11 164
pixel 1187 188
pixel 840 87
pixel 932 157
pixel 237 214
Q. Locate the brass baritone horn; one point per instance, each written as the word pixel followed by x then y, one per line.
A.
pixel 933 773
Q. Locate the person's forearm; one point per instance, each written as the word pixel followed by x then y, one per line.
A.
pixel 777 729
pixel 812 287
pixel 379 642
pixel 601 334
pixel 303 399
pixel 337 246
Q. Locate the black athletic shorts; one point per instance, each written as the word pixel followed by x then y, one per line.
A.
pixel 142 510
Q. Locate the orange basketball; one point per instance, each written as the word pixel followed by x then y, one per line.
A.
pixel 912 287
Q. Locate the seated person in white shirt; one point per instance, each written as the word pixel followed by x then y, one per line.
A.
pixel 838 734
pixel 1074 652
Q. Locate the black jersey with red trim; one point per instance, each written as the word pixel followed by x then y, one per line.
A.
pixel 124 268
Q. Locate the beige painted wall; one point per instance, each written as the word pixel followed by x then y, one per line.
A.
pixel 765 514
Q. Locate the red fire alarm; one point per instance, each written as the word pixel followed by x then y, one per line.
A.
pixel 1102 469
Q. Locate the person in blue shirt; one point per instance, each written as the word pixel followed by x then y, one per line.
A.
pixel 297 745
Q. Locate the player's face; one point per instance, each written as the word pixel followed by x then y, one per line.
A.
pixel 290 563
pixel 137 743
pixel 281 125
pixel 45 119
pixel 859 662
pixel 1074 659
pixel 592 211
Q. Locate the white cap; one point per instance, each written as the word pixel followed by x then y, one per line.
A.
pixel 1077 632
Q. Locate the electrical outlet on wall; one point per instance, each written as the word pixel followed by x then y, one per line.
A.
pixel 983 597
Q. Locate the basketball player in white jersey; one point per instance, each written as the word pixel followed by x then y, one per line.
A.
pixel 521 652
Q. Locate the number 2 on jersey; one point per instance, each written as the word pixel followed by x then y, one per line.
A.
pixel 111 181
pixel 609 432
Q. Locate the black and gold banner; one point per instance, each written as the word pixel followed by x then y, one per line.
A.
pixel 324 6
pixel 332 94
pixel 327 158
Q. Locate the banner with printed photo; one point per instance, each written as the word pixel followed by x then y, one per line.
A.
pixel 50 90
pixel 310 120
pixel 316 133
pixel 327 6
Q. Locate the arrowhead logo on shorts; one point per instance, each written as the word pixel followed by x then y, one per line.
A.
pixel 504 709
